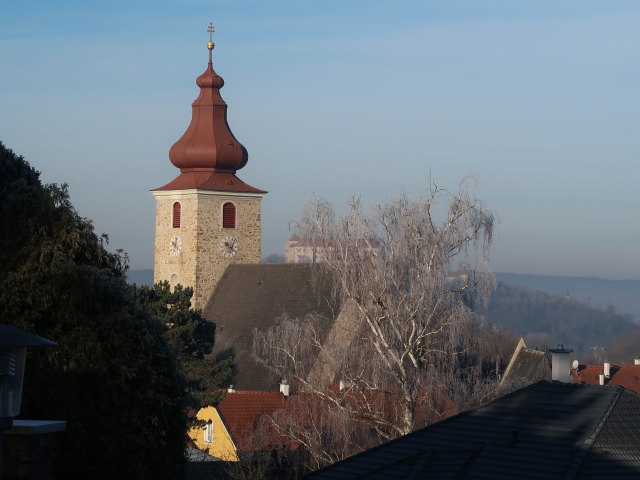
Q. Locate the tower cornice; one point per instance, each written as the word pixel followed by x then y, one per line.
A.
pixel 195 192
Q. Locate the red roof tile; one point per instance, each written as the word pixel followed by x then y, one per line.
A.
pixel 209 180
pixel 626 375
pixel 432 406
pixel 244 412
pixel 241 411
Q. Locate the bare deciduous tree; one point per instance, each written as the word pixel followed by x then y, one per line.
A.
pixel 409 327
pixel 265 453
pixel 325 435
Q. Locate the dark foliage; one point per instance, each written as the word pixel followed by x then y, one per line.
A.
pixel 112 377
pixel 192 338
pixel 548 320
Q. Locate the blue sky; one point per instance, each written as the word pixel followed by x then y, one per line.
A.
pixel 538 99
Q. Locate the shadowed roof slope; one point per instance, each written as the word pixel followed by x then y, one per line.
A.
pixel 254 296
pixel 549 430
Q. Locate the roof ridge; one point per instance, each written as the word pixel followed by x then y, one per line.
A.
pixel 520 345
pixel 255 392
pixel 590 440
pixel 617 365
pixel 227 427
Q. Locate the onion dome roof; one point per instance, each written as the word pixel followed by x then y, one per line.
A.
pixel 208 155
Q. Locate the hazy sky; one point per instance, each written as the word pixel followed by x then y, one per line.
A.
pixel 539 99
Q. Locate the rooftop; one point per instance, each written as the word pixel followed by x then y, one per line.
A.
pixel 626 375
pixel 253 296
pixel 241 409
pixel 549 430
pixel 527 365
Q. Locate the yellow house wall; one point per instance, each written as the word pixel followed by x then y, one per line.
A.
pixel 222 446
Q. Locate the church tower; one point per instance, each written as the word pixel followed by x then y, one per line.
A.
pixel 206 218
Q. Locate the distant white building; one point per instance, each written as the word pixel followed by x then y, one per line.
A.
pixel 297 250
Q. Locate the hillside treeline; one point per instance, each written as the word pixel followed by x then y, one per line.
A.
pixel 548 320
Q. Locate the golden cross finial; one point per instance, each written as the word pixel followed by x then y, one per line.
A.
pixel 210 45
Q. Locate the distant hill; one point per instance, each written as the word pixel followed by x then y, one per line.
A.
pixel 140 277
pixel 623 295
pixel 545 319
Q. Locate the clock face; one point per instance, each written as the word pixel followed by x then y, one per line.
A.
pixel 175 245
pixel 229 246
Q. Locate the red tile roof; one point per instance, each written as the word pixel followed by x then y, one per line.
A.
pixel 432 406
pixel 245 413
pixel 626 375
pixel 209 180
pixel 241 412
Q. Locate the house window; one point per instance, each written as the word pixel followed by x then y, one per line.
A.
pixel 208 432
pixel 228 215
pixel 176 214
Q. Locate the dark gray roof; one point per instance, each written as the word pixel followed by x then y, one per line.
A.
pixel 527 366
pixel 618 440
pixel 254 296
pixel 548 430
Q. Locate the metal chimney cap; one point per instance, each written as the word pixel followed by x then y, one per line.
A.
pixel 560 349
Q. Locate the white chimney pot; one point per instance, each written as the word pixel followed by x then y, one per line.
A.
pixel 284 389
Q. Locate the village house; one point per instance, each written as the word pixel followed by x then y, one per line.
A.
pixel 246 422
pixel 608 373
pixel 228 428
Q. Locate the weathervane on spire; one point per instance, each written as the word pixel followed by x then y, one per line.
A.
pixel 210 45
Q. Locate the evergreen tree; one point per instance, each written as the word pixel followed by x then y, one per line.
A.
pixel 192 338
pixel 112 377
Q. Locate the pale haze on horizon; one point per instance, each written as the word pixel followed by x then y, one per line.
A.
pixel 538 101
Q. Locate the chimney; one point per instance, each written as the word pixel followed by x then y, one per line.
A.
pixel 230 389
pixel 284 388
pixel 560 370
pixel 636 361
pixel 601 378
pixel 607 369
pixel 344 384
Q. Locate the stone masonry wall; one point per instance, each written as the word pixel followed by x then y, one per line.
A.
pixel 201 261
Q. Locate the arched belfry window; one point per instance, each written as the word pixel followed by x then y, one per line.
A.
pixel 176 214
pixel 228 215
